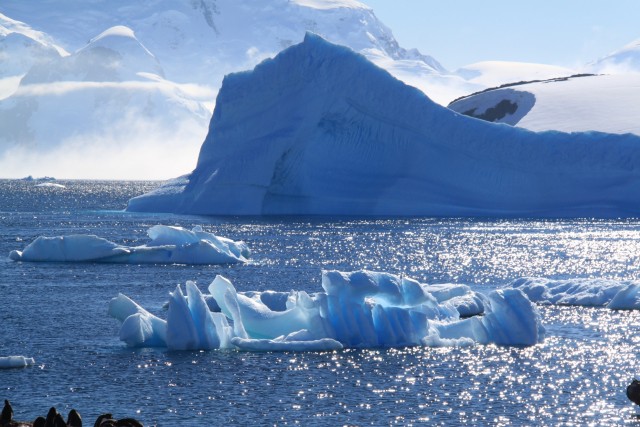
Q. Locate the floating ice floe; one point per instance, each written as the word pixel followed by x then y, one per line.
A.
pixel 359 309
pixel 614 294
pixel 10 362
pixel 51 185
pixel 168 245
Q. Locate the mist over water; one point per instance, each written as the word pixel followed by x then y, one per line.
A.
pixel 57 313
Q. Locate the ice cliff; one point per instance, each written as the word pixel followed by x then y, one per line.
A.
pixel 321 130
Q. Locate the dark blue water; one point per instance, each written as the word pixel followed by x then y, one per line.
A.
pixel 57 313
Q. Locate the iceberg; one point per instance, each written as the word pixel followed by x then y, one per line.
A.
pixel 168 245
pixel 613 294
pixel 321 130
pixel 10 362
pixel 360 309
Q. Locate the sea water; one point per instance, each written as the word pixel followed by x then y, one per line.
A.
pixel 57 314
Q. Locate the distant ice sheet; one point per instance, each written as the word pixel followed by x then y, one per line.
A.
pixel 359 309
pixel 614 294
pixel 9 362
pixel 168 245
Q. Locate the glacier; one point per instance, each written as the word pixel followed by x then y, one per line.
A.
pixel 168 245
pixel 360 309
pixel 320 130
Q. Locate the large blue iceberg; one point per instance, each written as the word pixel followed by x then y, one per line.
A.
pixel 321 130
pixel 355 310
pixel 168 245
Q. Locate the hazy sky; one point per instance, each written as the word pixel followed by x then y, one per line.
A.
pixel 558 32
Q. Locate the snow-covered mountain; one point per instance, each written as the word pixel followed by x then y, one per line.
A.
pixel 134 97
pixel 321 130
pixel 20 48
pixel 199 41
pixel 622 61
pixel 103 111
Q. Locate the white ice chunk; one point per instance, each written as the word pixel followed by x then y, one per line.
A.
pixel 9 362
pixel 139 327
pixel 359 309
pixel 257 318
pixel 583 292
pixel 73 248
pixel 323 344
pixel 50 185
pixel 168 245
pixel 513 319
pixel 191 325
pixel 628 298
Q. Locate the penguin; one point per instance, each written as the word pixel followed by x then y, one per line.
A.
pixel 51 416
pixel 633 391
pixel 58 421
pixel 74 419
pixel 40 422
pixel 128 422
pixel 103 419
pixel 7 414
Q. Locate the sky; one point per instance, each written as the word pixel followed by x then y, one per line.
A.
pixel 557 32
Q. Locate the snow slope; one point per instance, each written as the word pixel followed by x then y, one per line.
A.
pixel 622 61
pixel 321 130
pixel 134 98
pixel 495 73
pixel 604 103
pixel 20 48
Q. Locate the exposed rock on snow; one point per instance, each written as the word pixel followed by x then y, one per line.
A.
pixel 602 103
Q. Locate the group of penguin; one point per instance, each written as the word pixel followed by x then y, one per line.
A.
pixel 55 419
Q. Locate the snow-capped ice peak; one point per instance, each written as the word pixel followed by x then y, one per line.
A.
pixel 114 55
pixel 331 4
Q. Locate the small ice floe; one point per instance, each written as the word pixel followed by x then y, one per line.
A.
pixel 9 362
pixel 359 309
pixel 614 294
pixel 168 245
pixel 50 185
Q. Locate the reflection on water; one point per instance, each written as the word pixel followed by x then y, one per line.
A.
pixel 56 313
